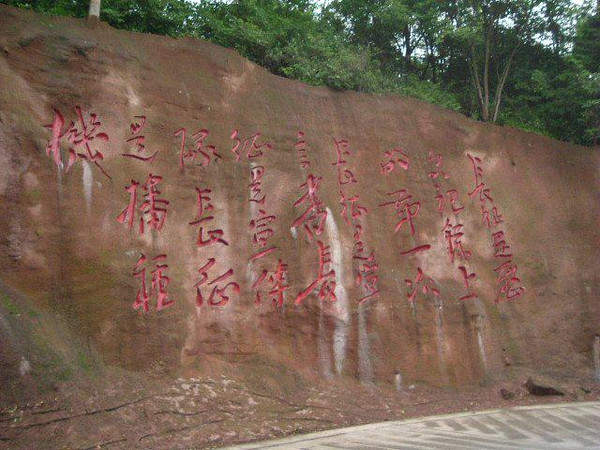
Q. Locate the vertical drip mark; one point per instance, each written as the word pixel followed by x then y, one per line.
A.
pixel 482 350
pixel 251 276
pixel 342 314
pixel 88 180
pixel 324 350
pixel 482 354
pixel 59 186
pixel 398 381
pixel 441 341
pixel 365 369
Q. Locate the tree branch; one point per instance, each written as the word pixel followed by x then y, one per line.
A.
pixel 501 83
pixel 475 78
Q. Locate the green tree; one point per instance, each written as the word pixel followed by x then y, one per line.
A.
pixel 491 33
pixel 587 52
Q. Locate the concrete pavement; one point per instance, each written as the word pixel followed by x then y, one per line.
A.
pixel 563 426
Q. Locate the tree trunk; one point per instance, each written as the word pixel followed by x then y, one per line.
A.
pixel 501 82
pixel 94 11
pixel 408 49
pixel 477 84
pixel 486 79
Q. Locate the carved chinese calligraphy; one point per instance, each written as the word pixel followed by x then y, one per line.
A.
pixel 206 152
pixel 249 146
pixel 324 284
pixel 421 284
pixel 508 283
pixel 158 283
pixel 354 214
pixel 394 158
pixel 219 289
pixel 215 283
pixel 208 236
pixel 302 151
pixel 450 208
pixel 407 208
pixel 153 209
pixel 139 141
pixel 312 221
pixel 271 282
pixel 81 136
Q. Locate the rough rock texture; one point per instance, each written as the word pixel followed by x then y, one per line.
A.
pixel 67 265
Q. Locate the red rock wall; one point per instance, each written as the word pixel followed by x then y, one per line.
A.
pixel 66 250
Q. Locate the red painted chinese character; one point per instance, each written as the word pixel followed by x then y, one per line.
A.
pixel 453 236
pixel 367 277
pixel 423 283
pixel 452 195
pixel 477 170
pixel 466 278
pixel 256 174
pixel 203 203
pixel 507 278
pixel 300 146
pixel 136 128
pixel 491 217
pixel 81 135
pixel 325 282
pixel 217 290
pixel 159 282
pixel 260 227
pixel 406 208
pixel 356 210
pixel 198 150
pixel 345 176
pixel 501 248
pixel 393 160
pixel 154 208
pixel 437 161
pixel 313 219
pixel 277 284
pixel 250 146
pixel 212 236
pixel 359 245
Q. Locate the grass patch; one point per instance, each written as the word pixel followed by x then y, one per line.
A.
pixel 9 306
pixel 83 361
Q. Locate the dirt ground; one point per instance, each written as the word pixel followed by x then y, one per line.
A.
pixel 199 413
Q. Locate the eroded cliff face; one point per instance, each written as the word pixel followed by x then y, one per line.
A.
pixel 391 241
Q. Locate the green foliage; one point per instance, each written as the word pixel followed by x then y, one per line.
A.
pixel 537 60
pixel 412 86
pixel 8 305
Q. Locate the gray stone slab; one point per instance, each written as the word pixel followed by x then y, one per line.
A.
pixel 567 426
